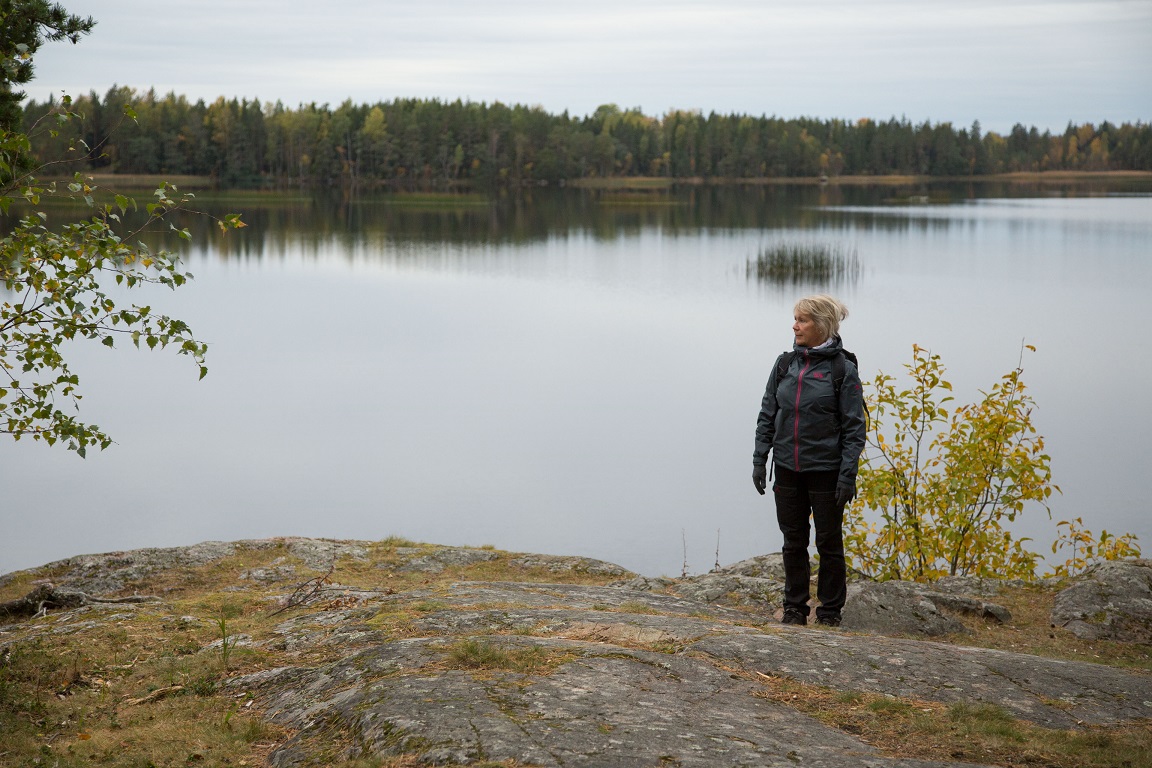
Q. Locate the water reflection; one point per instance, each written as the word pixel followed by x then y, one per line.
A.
pixel 278 222
pixel 568 371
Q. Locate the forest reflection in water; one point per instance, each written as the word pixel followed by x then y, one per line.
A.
pixel 277 221
pixel 573 371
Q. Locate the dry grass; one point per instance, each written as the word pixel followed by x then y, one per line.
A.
pixel 97 696
pixel 1030 631
pixel 66 689
pixel 974 732
pixel 481 654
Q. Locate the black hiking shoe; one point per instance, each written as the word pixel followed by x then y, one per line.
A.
pixel 828 621
pixel 794 617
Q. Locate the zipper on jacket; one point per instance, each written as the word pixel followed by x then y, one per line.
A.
pixel 796 420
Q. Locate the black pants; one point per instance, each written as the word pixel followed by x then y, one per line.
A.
pixel 798 496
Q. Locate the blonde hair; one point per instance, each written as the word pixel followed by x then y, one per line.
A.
pixel 825 311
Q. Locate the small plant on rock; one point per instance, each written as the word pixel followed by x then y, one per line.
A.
pixel 227 638
pixel 1087 549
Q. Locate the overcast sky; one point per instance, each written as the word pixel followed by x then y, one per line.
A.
pixel 1038 62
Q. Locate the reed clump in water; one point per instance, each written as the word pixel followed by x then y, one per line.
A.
pixel 805 262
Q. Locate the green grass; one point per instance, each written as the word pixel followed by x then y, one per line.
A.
pixel 792 262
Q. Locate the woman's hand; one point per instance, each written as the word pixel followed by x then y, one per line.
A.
pixel 845 492
pixel 760 478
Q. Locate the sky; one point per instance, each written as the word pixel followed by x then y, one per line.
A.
pixel 1041 63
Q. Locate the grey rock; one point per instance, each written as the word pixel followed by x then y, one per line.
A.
pixel 321 554
pixel 747 591
pixel 757 584
pixel 481 595
pixel 608 627
pixel 645 583
pixel 435 561
pixel 1049 692
pixel 969 606
pixel 911 608
pixel 894 607
pixel 1054 693
pixel 974 585
pixel 102 574
pixel 608 706
pixel 613 700
pixel 234 641
pixel 109 572
pixel 324 628
pixel 770 566
pixel 1112 601
pixel 569 564
pixel 275 573
pixel 641 676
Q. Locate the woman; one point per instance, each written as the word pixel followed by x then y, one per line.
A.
pixel 814 426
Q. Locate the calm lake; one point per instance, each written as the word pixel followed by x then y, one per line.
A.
pixel 579 373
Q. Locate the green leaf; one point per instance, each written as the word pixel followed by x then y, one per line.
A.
pixel 108 342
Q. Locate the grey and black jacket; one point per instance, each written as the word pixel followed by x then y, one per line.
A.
pixel 801 423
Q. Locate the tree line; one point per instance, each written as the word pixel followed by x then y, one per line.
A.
pixel 428 142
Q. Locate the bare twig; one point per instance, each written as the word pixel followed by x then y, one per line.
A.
pixel 156 695
pixel 304 592
pixel 684 545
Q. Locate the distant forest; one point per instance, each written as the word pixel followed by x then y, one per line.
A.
pixel 429 143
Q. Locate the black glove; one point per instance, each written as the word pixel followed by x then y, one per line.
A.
pixel 845 492
pixel 760 478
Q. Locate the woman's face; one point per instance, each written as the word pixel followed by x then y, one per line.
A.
pixel 807 332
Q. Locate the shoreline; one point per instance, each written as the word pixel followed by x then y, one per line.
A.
pixel 652 183
pixel 1018 177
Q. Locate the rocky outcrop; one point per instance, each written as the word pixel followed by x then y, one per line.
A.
pixel 888 608
pixel 1112 601
pixel 754 583
pixel 908 608
pixel 568 564
pixel 440 558
pixel 118 571
pixel 640 672
pixel 609 706
pixel 636 675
